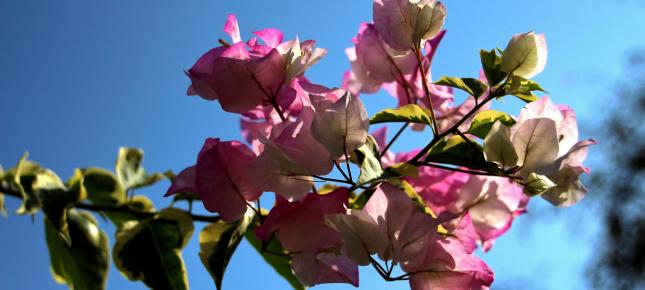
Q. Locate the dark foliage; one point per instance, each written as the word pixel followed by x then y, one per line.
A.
pixel 620 182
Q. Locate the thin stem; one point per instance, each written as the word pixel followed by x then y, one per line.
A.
pixel 473 172
pixel 349 170
pixel 426 89
pixel 396 136
pixel 470 142
pixel 451 130
pixel 332 179
pixel 341 171
pixel 379 269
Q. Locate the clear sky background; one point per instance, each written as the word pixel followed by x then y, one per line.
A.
pixel 78 79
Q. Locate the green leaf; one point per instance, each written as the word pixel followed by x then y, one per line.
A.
pixel 491 63
pixel 473 87
pixel 523 88
pixel 498 147
pixel 138 202
pixel 217 243
pixel 402 169
pixel 483 121
pixel 277 258
pixel 457 151
pixel 56 199
pixel 130 171
pixel 537 184
pixel 21 177
pixel 150 250
pixel 359 201
pixel 103 187
pixel 409 113
pixel 83 264
pixel 367 158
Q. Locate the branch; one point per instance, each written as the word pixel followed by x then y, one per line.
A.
pixel 9 191
pixel 396 136
pixel 424 80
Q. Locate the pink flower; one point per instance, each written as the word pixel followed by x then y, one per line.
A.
pixel 394 227
pixel 248 76
pixel 300 227
pixel 291 156
pixel 491 202
pixel 543 144
pixel 220 178
pixel 340 122
pixel 445 265
pixel 405 24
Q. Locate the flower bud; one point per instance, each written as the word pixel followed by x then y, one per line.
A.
pixel 525 55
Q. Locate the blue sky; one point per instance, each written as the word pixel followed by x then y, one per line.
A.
pixel 78 79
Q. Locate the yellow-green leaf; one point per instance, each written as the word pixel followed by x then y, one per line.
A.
pixel 409 113
pixel 150 250
pixel 21 177
pixel 83 264
pixel 129 169
pixel 217 243
pixel 103 187
pixel 473 87
pixel 275 256
pixel 56 199
pixel 457 151
pixel 491 63
pixel 483 121
pixel 367 158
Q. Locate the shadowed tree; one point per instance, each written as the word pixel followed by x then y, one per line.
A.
pixel 620 185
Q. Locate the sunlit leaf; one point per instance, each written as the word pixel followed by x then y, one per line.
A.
pixel 56 199
pixel 129 169
pixel 457 151
pixel 491 63
pixel 150 250
pixel 523 88
pixel 21 177
pixel 484 120
pixel 103 187
pixel 83 264
pixel 409 113
pixel 473 87
pixel 537 184
pixel 217 243
pixel 367 158
pixel 498 147
pixel 275 256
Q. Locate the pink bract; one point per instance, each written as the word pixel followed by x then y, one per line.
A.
pixel 220 178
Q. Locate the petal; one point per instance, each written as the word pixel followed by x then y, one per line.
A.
pixel 341 126
pixel 525 55
pixel 271 36
pixel 378 61
pixel 448 266
pixel 291 221
pixel 498 147
pixel 223 188
pixel 536 145
pixel 184 182
pixel 232 29
pixel 393 19
pixel 314 269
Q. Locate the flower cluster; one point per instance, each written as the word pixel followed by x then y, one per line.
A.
pixel 426 210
